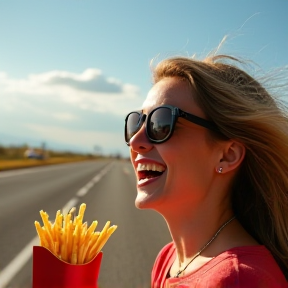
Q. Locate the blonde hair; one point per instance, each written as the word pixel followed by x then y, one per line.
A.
pixel 243 110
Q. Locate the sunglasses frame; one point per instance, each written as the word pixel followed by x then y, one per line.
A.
pixel 176 113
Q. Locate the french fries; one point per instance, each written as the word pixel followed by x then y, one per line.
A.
pixel 70 239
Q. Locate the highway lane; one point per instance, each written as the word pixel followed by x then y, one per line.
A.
pixel 25 192
pixel 129 253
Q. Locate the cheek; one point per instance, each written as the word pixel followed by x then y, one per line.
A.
pixel 189 164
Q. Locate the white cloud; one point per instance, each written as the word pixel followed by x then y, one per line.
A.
pixel 64 116
pixel 90 80
pixel 89 90
pixel 66 107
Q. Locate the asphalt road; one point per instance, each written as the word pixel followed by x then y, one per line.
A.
pixel 108 189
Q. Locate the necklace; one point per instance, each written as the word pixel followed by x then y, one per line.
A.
pixel 204 247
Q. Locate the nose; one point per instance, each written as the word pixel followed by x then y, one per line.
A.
pixel 140 142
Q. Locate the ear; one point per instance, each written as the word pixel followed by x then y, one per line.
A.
pixel 233 154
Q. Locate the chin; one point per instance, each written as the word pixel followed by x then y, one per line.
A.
pixel 147 201
pixel 142 200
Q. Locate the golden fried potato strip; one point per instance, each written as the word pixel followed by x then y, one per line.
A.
pixel 70 239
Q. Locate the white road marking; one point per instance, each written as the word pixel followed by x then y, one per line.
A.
pixel 7 274
pixel 83 191
pixel 71 203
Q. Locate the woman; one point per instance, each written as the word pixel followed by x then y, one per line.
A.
pixel 217 173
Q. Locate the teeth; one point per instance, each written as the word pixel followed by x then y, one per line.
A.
pixel 151 167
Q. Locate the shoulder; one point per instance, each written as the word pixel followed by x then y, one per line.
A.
pixel 162 264
pixel 247 266
pixel 165 255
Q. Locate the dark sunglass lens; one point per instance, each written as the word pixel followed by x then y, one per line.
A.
pixel 132 125
pixel 160 124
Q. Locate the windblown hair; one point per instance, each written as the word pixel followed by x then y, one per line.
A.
pixel 243 110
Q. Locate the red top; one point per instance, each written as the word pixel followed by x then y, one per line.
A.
pixel 241 267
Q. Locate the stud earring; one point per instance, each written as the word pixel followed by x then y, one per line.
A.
pixel 219 170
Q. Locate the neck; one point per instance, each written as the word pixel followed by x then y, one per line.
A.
pixel 191 234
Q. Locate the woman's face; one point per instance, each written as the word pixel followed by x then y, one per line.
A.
pixel 185 163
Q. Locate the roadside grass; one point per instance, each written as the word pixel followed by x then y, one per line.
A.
pixel 26 163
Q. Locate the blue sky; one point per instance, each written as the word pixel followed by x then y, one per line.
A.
pixel 71 70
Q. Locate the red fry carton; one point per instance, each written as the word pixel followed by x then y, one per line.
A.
pixel 50 271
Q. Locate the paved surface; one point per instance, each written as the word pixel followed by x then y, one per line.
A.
pixel 130 252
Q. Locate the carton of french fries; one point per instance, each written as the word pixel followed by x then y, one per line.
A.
pixel 69 254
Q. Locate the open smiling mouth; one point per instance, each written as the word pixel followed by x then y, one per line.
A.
pixel 148 171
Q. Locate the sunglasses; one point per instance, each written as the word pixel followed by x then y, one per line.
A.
pixel 160 123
